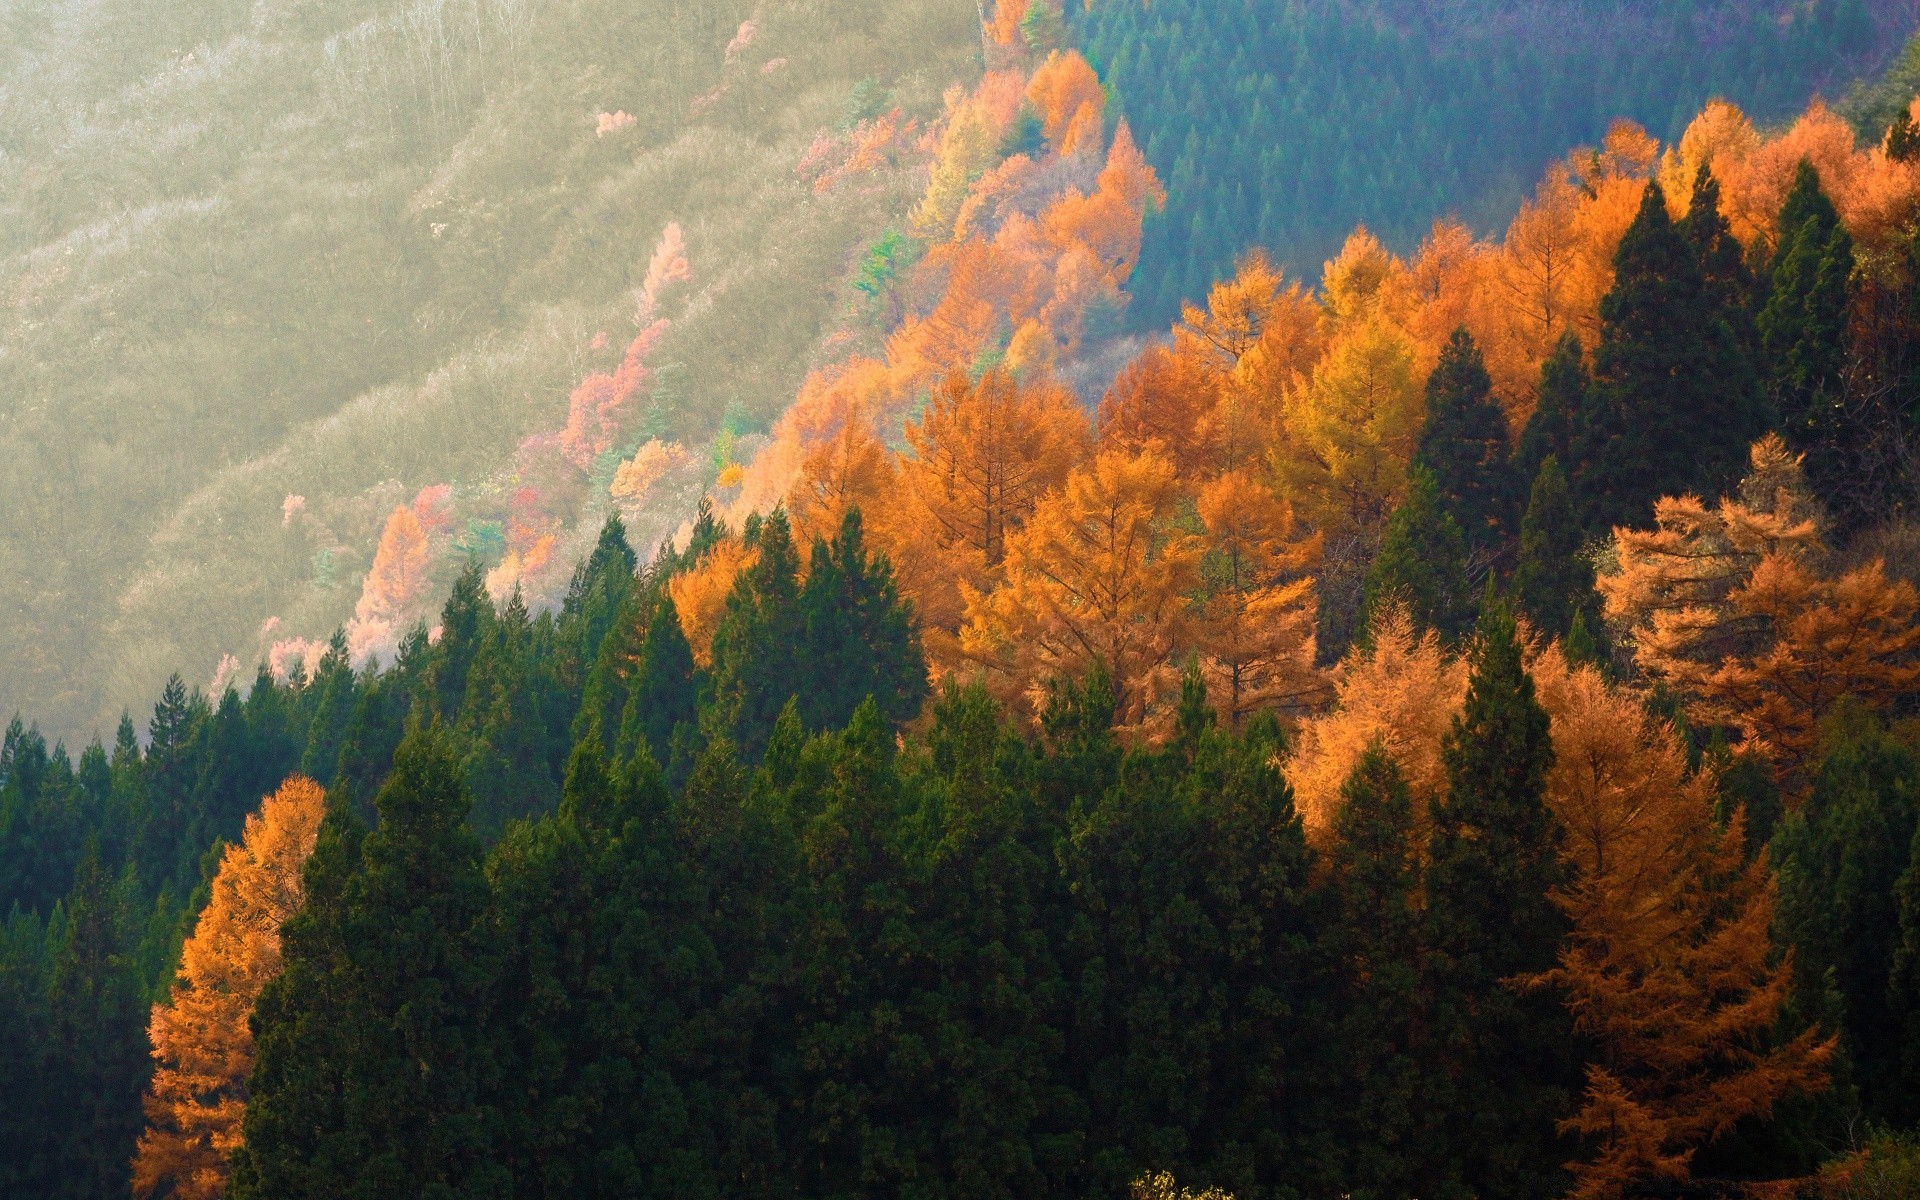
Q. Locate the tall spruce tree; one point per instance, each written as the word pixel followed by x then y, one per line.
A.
pixel 100 1061
pixel 1554 423
pixel 860 639
pixel 373 1056
pixel 662 709
pixel 758 664
pixel 1381 1098
pixel 1464 445
pixel 1676 402
pixel 1840 858
pixel 1803 333
pixel 1553 579
pixel 1493 865
pixel 1422 562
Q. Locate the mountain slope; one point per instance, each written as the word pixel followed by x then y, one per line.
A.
pixel 255 252
pixel 1281 122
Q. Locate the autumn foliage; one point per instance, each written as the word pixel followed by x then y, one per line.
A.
pixel 202 1045
pixel 1670 968
pixel 1737 608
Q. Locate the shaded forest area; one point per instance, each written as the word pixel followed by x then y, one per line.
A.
pixel 1447 732
pixel 1281 124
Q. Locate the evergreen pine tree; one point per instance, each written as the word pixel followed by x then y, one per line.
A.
pixel 1803 332
pixel 1675 403
pixel 1464 445
pixel 664 696
pixel 373 1060
pixel 504 728
pixel 1553 579
pixel 1493 865
pixel 464 621
pixel 1380 1103
pixel 1903 139
pixel 1422 562
pixel 757 647
pixel 100 1062
pixel 334 689
pixel 1840 859
pixel 1553 426
pixel 860 639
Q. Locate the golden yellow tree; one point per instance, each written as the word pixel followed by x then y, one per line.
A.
pixel 1254 629
pixel 202 1045
pixel 699 593
pixel 983 453
pixel 1401 690
pixel 1165 397
pixel 1347 437
pixel 1100 574
pixel 1732 606
pixel 1670 969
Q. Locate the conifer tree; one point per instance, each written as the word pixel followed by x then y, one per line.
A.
pixel 464 620
pixel 1464 445
pixel 98 1054
pixel 1422 563
pixel 510 720
pixel 1675 402
pixel 1376 940
pixel 200 1037
pixel 860 639
pixel 334 696
pixel 1803 332
pixel 1840 859
pixel 1493 868
pixel 757 647
pixel 662 704
pixel 373 1057
pixel 1554 423
pixel 1553 579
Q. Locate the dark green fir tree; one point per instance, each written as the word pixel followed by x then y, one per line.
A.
pixel 1508 1059
pixel 1803 334
pixel 1553 578
pixel 1464 445
pixel 1422 563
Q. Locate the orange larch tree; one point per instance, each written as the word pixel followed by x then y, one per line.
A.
pixel 1734 608
pixel 1670 969
pixel 1100 574
pixel 983 454
pixel 1401 690
pixel 1254 629
pixel 202 1044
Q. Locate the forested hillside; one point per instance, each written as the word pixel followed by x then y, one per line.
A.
pixel 1281 124
pixel 1447 727
pixel 273 268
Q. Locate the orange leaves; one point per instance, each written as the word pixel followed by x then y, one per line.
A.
pixel 1106 223
pixel 700 594
pixel 1163 397
pixel 399 575
pixel 983 455
pixel 852 470
pixel 649 465
pixel 1730 607
pixel 202 1046
pixel 1099 574
pixel 1070 101
pixel 395 588
pixel 1670 968
pixel 1402 692
pixel 1255 629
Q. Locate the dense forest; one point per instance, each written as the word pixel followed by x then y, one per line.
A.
pixel 1281 124
pixel 1448 731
